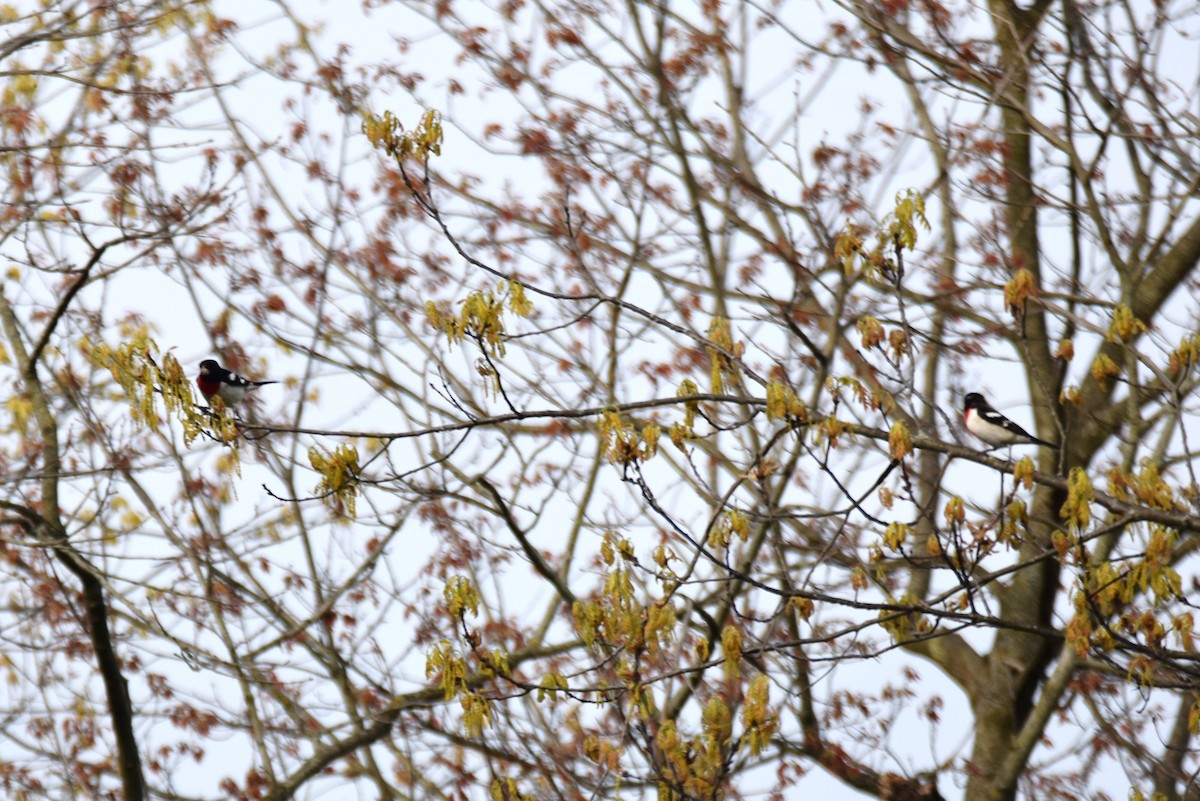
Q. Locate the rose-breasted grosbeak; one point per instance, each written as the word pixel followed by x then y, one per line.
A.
pixel 994 428
pixel 217 382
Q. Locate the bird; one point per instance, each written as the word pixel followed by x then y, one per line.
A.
pixel 994 428
pixel 217 382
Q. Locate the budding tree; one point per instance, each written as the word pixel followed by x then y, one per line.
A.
pixel 618 450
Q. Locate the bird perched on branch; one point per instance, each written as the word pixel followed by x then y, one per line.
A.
pixel 217 382
pixel 994 428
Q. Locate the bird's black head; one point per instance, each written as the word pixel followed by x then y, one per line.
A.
pixel 208 367
pixel 973 400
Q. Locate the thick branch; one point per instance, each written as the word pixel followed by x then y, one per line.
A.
pixel 49 528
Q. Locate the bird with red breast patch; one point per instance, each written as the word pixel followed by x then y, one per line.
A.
pixel 994 428
pixel 217 382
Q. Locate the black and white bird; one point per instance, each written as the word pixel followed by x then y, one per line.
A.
pixel 994 428
pixel 217 382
